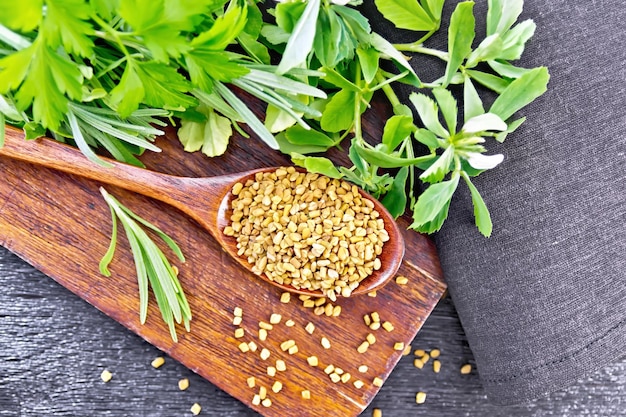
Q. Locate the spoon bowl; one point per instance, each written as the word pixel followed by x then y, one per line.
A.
pixel 206 200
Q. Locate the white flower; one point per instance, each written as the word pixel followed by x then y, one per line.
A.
pixel 480 161
pixel 340 2
pixel 486 121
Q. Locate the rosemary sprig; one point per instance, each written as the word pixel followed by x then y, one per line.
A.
pixel 152 266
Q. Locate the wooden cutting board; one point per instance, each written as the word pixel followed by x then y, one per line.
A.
pixel 61 225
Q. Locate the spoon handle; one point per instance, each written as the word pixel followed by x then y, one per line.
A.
pixel 61 157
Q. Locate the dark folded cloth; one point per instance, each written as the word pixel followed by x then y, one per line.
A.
pixel 543 301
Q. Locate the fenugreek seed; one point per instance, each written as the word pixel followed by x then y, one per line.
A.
pixel 308 303
pixel 239 332
pixel 407 350
pixel 338 371
pixel 277 386
pixel 436 366
pixel 401 280
pixel 435 353
pixel 238 312
pixel 329 369
pixel 388 326
pixel 377 382
pixel 237 321
pixel 266 326
pixel 252 346
pixel 312 360
pixel 419 352
pixel 243 346
pixel 275 318
pixel 271 371
pixel 183 384
pixel 336 311
pixel 262 392
pixel 398 346
pixel 106 375
pixel 265 354
pixel 293 350
pixel 195 409
pixel 371 339
pixel 425 358
pixel 281 365
pixel 363 347
pixel 375 317
pixel 335 377
pixel 377 412
pixel 375 325
pixel 266 403
pixel 256 400
pixel 372 293
pixel 346 377
pixel 420 397
pixel 251 382
pixel 237 188
pixel 466 369
pixel 285 297
pixel 262 334
pixel 363 369
pixel 325 343
pixel 367 319
pixel 358 384
pixel 418 363
pixel 306 394
pixel 290 323
pixel 158 362
pixel 287 344
pixel 310 328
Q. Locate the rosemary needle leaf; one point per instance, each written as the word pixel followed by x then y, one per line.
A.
pixel 108 256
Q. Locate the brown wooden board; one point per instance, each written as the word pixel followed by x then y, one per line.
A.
pixel 61 225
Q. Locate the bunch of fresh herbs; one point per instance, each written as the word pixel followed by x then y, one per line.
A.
pixel 107 74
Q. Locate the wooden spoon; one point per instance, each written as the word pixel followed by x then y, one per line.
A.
pixel 206 200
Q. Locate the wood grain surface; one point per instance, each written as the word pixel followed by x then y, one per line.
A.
pixel 53 347
pixel 60 224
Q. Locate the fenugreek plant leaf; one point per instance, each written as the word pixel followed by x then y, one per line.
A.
pixel 460 36
pixel 521 92
pixel 301 39
pixel 431 202
pixel 481 213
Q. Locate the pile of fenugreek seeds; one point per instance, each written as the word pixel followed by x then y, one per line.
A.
pixel 307 230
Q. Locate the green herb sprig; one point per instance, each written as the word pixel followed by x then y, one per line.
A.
pixel 153 268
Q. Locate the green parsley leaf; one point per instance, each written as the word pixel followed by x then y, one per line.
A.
pixel 65 23
pixel 23 15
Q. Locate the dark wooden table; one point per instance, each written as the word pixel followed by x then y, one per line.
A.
pixel 54 346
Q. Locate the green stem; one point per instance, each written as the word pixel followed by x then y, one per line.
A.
pixel 419 48
pixel 114 34
pixel 389 93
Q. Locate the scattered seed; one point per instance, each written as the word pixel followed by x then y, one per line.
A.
pixel 195 409
pixel 336 311
pixel 256 400
pixel 436 366
pixel 420 397
pixel 310 328
pixel 237 320
pixel 183 384
pixel 363 368
pixel 375 325
pixel 287 344
pixel 271 371
pixel 266 403
pixel 285 297
pixel 377 412
pixel 377 382
pixel 371 339
pixel 281 365
pixel 239 332
pixel 388 326
pixel 367 319
pixel 407 350
pixel 435 353
pixel 372 293
pixel 418 363
pixel 308 303
pixel 262 334
pixel 275 318
pixel 252 346
pixel 265 326
pixel 251 382
pixel 265 353
pixel 375 317
pixel 401 280
pixel 338 371
pixel 262 392
pixel 290 323
pixel 335 377
pixel 106 375
pixel 293 350
pixel 238 312
pixel 419 352
pixel 277 387
pixel 346 377
pixel 398 346
pixel 358 384
pixel 425 358
pixel 306 394
pixel 325 343
pixel 312 360
pixel 363 347
pixel 243 346
pixel 466 369
pixel 329 369
pixel 158 362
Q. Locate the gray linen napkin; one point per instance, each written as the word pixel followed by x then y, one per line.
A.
pixel 543 301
